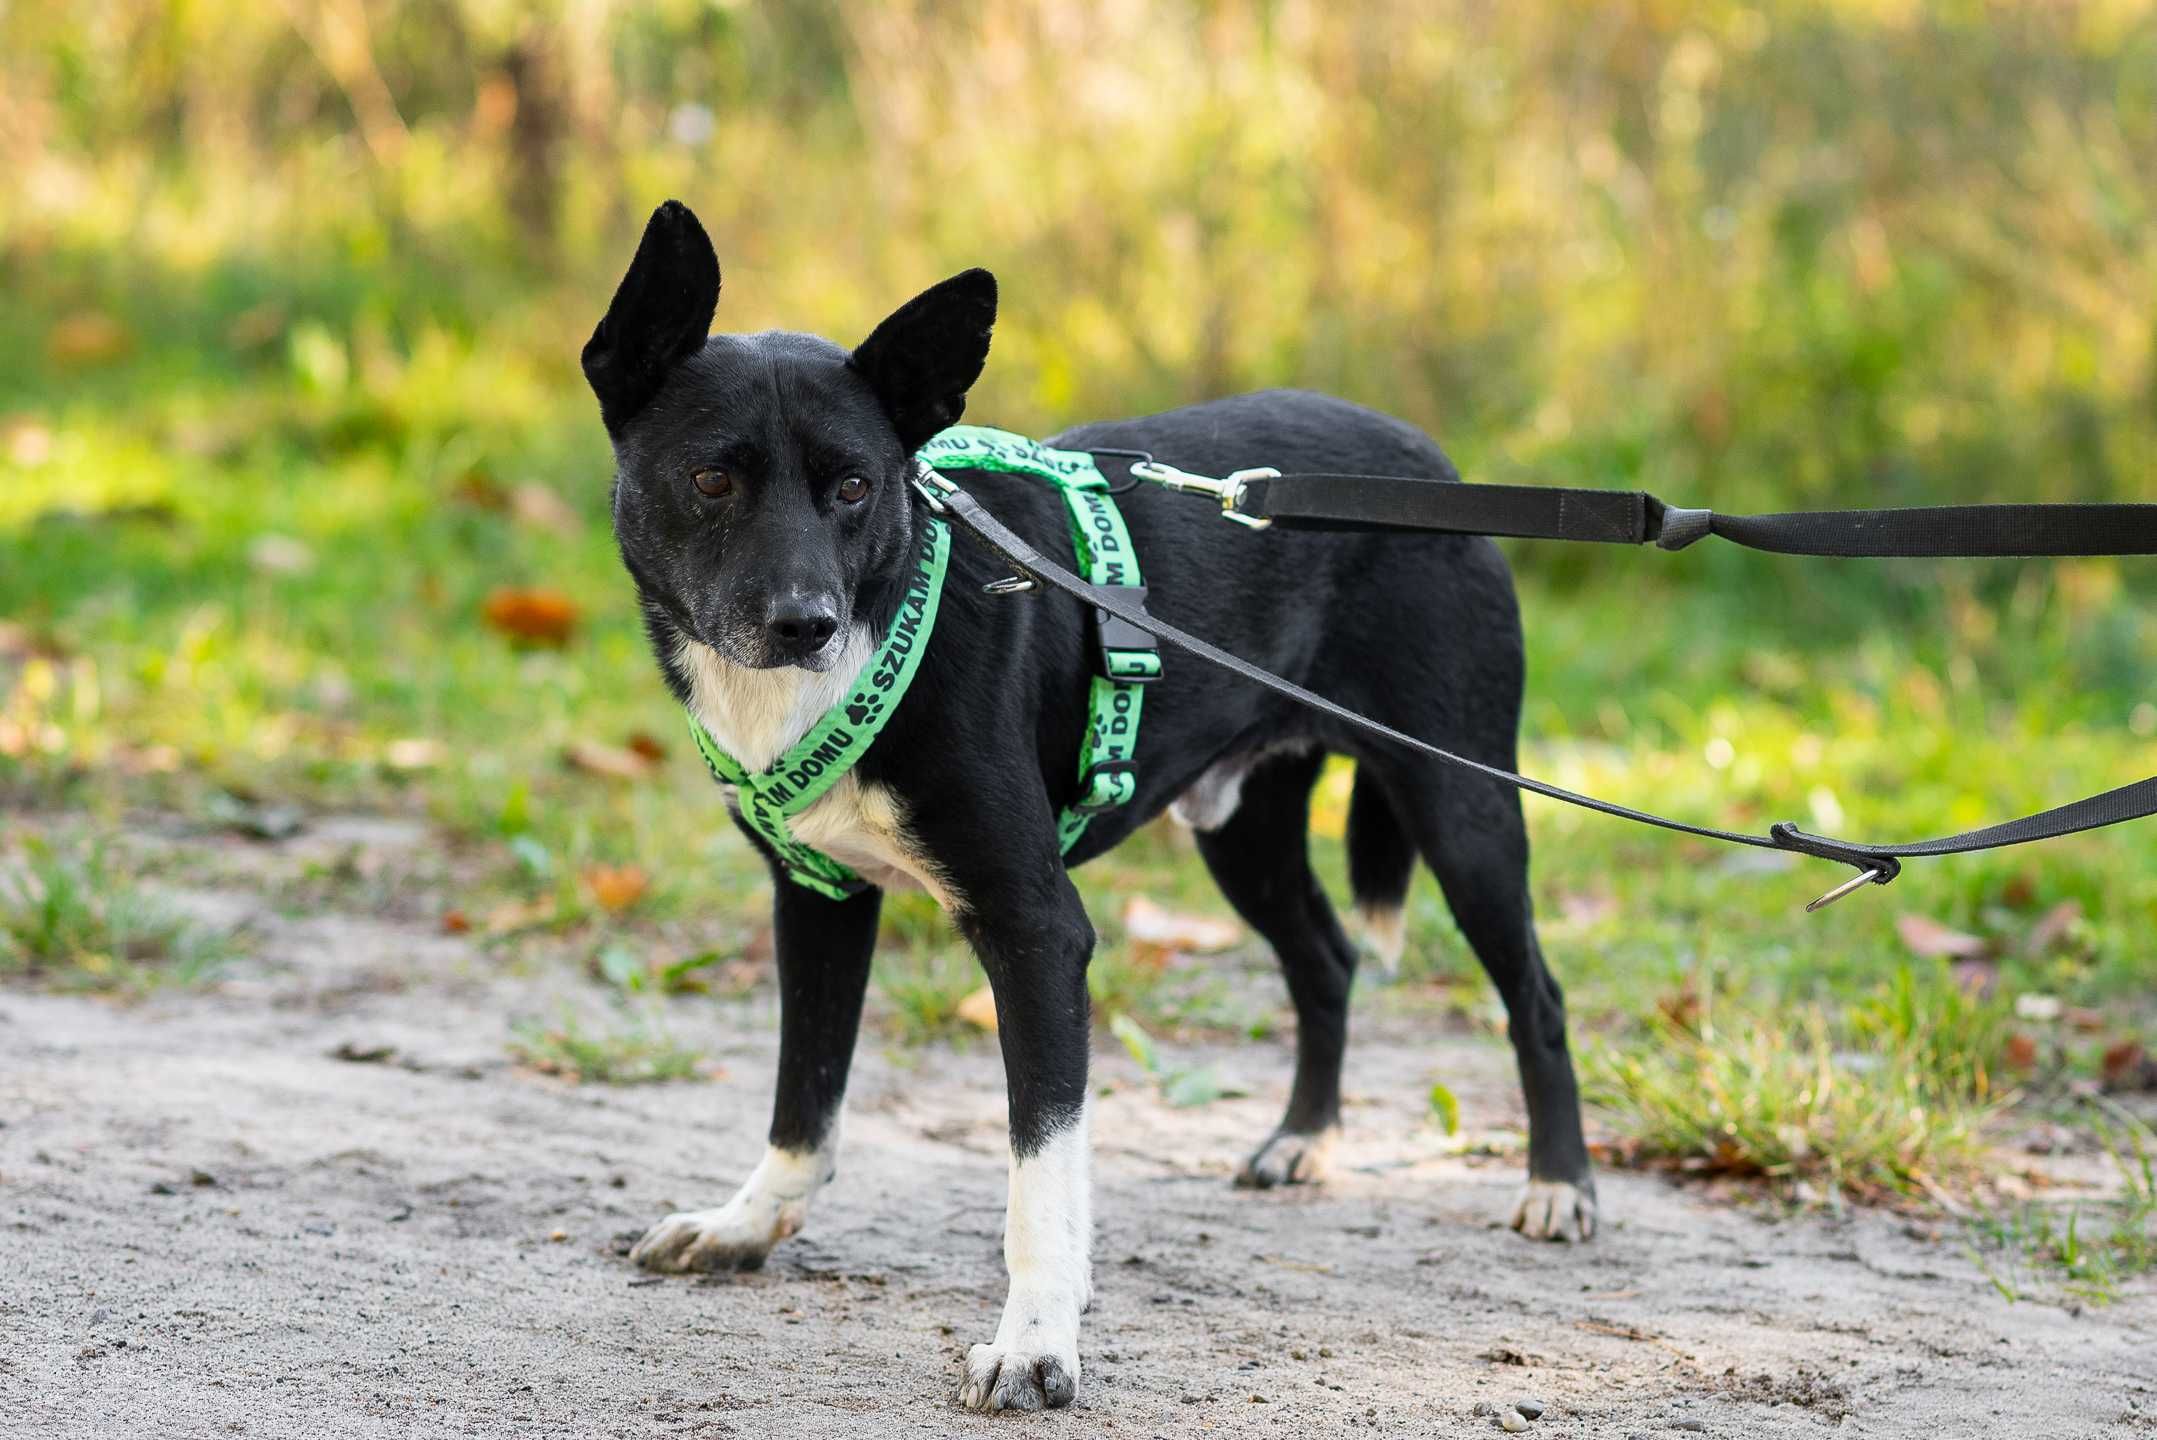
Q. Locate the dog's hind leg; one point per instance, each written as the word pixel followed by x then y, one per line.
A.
pixel 1471 832
pixel 1260 858
pixel 823 949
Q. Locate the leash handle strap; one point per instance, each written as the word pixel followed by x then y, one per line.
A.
pixel 1315 500
pixel 1881 863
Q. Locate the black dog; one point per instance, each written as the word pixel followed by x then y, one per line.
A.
pixel 763 508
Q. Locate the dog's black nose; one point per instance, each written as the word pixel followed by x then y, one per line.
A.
pixel 800 625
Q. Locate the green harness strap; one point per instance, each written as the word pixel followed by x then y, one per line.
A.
pixel 767 798
pixel 795 781
pixel 1107 775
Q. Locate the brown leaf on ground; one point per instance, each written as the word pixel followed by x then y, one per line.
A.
pixel 1929 938
pixel 645 744
pixel 536 506
pixel 617 887
pixel 1146 923
pixel 1681 1007
pixel 2021 1051
pixel 87 337
pixel 2020 891
pixel 978 1009
pixel 2127 1066
pixel 533 616
pixel 520 915
pixel 2053 927
pixel 615 762
pixel 455 922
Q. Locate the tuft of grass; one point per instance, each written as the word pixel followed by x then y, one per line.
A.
pixel 1784 1094
pixel 923 984
pixel 68 918
pixel 2087 1249
pixel 630 1049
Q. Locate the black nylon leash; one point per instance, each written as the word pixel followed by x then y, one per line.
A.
pixel 1634 517
pixel 1876 864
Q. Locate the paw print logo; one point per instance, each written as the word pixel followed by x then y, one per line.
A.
pixel 859 712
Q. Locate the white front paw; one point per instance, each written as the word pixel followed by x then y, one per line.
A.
pixel 1032 1374
pixel 736 1236
pixel 1555 1210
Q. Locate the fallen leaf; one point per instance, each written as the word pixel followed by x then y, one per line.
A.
pixel 615 762
pixel 2053 927
pixel 2127 1067
pixel 1681 1007
pixel 1446 1109
pixel 540 508
pixel 2043 1009
pixel 646 745
pixel 25 441
pixel 617 887
pixel 455 922
pixel 2021 1052
pixel 414 753
pixel 362 1054
pixel 1146 923
pixel 87 337
pixel 1929 938
pixel 520 915
pixel 280 555
pixel 256 326
pixel 533 616
pixel 978 1009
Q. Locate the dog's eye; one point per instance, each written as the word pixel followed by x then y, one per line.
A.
pixel 713 482
pixel 853 490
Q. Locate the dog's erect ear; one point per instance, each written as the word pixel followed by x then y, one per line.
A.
pixel 927 355
pixel 661 314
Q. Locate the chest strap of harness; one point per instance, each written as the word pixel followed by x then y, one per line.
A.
pixel 1127 656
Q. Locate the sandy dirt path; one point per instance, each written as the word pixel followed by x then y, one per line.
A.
pixel 211 1226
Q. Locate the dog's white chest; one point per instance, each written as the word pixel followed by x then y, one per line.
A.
pixel 757 715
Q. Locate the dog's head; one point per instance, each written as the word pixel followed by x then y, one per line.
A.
pixel 760 493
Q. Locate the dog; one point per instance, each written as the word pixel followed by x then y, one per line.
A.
pixel 762 507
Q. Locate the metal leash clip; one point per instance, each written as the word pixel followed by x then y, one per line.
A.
pixel 932 486
pixel 1849 887
pixel 1229 490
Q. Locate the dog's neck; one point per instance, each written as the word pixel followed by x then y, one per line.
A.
pixel 757 715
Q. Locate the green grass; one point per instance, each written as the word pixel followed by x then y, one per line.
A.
pixel 624 1047
pixel 1887 1098
pixel 2084 1249
pixel 72 920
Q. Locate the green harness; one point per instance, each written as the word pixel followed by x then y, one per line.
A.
pixel 768 798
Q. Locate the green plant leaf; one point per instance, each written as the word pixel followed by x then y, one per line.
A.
pixel 1445 1109
pixel 1136 1040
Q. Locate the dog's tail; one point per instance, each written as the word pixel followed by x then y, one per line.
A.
pixel 1381 862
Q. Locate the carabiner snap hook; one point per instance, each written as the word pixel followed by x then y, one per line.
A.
pixel 1228 491
pixel 1849 887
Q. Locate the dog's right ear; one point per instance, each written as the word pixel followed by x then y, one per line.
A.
pixel 661 314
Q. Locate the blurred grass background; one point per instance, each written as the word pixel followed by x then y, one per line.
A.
pixel 291 296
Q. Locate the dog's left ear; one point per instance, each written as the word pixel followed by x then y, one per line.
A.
pixel 927 355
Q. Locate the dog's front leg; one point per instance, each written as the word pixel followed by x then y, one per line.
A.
pixel 823 949
pixel 1035 945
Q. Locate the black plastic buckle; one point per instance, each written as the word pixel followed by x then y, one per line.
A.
pixel 1086 806
pixel 1112 633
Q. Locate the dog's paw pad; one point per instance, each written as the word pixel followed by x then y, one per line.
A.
pixel 1555 1210
pixel 704 1240
pixel 1287 1159
pixel 1000 1377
